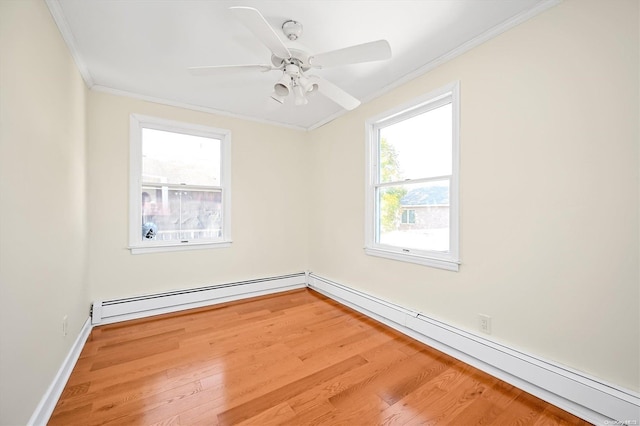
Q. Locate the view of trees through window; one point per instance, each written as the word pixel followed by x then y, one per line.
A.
pixel 390 197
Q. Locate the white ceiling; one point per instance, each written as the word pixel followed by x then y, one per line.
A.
pixel 143 48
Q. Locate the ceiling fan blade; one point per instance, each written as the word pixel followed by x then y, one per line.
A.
pixel 366 52
pixel 255 22
pixel 228 69
pixel 335 93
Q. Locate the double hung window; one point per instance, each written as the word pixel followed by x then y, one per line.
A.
pixel 412 181
pixel 180 186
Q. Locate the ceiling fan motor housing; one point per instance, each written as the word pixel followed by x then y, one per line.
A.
pixel 292 69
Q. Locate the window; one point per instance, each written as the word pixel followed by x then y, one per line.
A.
pixel 179 186
pixel 412 181
pixel 408 216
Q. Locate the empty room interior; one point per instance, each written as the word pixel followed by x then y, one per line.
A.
pixel 458 178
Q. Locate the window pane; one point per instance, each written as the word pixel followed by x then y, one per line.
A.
pixel 176 158
pixel 414 216
pixel 419 147
pixel 170 214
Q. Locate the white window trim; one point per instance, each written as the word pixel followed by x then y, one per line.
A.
pixel 137 122
pixel 451 259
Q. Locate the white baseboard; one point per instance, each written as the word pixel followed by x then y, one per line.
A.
pixel 50 398
pixel 110 311
pixel 575 392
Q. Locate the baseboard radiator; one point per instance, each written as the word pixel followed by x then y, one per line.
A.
pixel 110 311
pixel 575 392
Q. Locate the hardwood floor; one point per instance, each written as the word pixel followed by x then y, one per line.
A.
pixel 293 358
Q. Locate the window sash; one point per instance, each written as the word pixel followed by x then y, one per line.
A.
pixel 180 158
pixel 378 220
pixel 413 111
pixel 165 215
pixel 412 181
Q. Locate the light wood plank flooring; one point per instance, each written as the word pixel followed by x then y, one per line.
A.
pixel 293 358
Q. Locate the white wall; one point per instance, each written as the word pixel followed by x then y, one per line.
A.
pixel 549 192
pixel 43 205
pixel 269 193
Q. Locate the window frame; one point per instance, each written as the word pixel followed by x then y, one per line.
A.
pixel 449 260
pixel 139 122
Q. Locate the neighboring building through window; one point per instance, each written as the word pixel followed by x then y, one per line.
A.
pixel 412 181
pixel 180 186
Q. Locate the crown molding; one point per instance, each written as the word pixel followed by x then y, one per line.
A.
pixel 65 30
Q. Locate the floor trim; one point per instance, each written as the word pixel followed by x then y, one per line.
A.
pixel 575 392
pixel 50 398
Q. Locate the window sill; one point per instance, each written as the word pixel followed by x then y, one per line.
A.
pixel 449 265
pixel 142 249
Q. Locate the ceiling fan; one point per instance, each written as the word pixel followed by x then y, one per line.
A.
pixel 295 61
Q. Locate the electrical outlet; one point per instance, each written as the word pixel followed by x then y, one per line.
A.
pixel 484 321
pixel 65 325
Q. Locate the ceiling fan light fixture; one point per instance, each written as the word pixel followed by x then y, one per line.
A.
pixel 307 85
pixel 300 99
pixel 282 87
pixel 311 88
